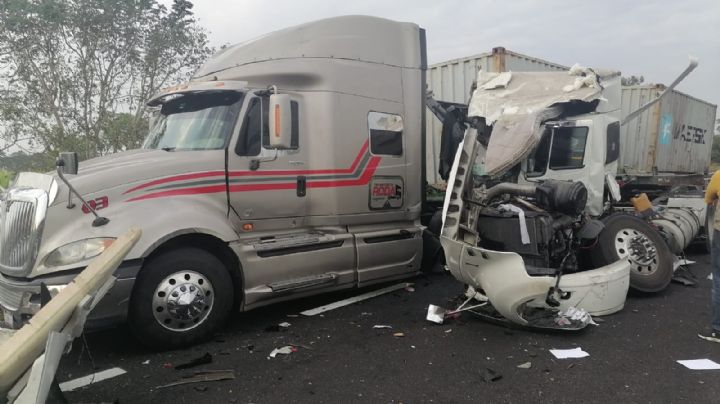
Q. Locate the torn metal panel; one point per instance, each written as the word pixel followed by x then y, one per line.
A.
pixel 517 104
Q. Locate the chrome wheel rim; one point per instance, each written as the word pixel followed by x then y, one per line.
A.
pixel 183 301
pixel 638 249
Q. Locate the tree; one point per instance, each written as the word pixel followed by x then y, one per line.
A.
pixel 74 74
pixel 632 80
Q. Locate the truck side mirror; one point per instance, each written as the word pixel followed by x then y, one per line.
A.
pixel 280 122
pixel 67 162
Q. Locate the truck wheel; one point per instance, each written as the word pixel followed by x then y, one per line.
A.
pixel 180 298
pixel 631 238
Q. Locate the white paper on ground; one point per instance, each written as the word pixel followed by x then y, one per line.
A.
pixel 569 353
pixel 700 364
pixel 73 384
pixel 710 277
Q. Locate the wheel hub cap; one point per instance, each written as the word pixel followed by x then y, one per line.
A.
pixel 638 249
pixel 183 300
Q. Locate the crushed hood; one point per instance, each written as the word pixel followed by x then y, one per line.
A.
pixel 517 103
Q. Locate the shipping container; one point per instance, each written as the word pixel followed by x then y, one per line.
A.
pixel 673 136
pixel 450 81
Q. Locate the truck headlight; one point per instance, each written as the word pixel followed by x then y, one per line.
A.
pixel 77 251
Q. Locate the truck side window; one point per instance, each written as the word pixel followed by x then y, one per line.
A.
pixel 385 133
pixel 613 142
pixel 568 147
pixel 250 132
pixel 537 163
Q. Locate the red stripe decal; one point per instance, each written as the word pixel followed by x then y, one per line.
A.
pixel 364 179
pixel 192 176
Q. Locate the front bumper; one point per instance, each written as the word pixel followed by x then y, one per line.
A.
pixel 505 281
pixel 20 298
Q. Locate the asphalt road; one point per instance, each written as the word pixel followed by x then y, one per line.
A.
pixel 343 359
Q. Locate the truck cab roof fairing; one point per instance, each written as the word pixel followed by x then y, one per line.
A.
pixel 358 38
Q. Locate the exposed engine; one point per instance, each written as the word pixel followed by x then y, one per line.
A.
pixel 539 222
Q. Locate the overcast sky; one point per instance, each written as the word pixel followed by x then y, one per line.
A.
pixel 649 38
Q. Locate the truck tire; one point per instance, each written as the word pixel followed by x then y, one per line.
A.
pixel 631 238
pixel 180 298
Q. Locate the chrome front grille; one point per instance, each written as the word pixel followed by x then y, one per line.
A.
pixel 10 298
pixel 22 215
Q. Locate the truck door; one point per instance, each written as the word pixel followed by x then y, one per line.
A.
pixel 572 151
pixel 268 192
pixel 263 183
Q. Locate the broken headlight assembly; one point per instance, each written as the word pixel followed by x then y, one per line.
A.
pixel 78 251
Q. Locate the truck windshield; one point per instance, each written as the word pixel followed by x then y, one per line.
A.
pixel 195 121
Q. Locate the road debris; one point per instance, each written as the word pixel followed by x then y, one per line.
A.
pixel 286 350
pixel 410 289
pixel 711 339
pixel 355 299
pixel 284 324
pixel 490 376
pixel 380 326
pixel 569 353
pixel 203 360
pixel 700 364
pixel 526 365
pixel 147 362
pixel 74 384
pixel 203 376
pixel 448 331
pixel 574 314
pixel 399 334
pixel 436 314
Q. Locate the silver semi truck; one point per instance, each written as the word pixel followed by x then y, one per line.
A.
pixel 289 165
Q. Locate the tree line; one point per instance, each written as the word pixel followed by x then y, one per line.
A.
pixel 75 74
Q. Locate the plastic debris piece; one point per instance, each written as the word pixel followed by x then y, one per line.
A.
pixel 284 324
pixel 526 365
pixel 203 360
pixel 399 334
pixel 206 376
pixel 286 350
pixel 74 384
pixel 448 331
pixel 711 339
pixel 710 277
pixel 355 299
pixel 436 314
pixel 381 326
pixel 574 314
pixel 569 353
pixel 700 364
pixel 409 289
pixel 490 376
pixel 146 362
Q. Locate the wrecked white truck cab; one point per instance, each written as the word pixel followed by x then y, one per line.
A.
pixel 525 188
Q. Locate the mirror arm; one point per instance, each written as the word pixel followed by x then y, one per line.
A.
pixel 99 220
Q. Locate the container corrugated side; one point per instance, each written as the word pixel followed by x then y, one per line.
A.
pixel 673 136
pixel 451 81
